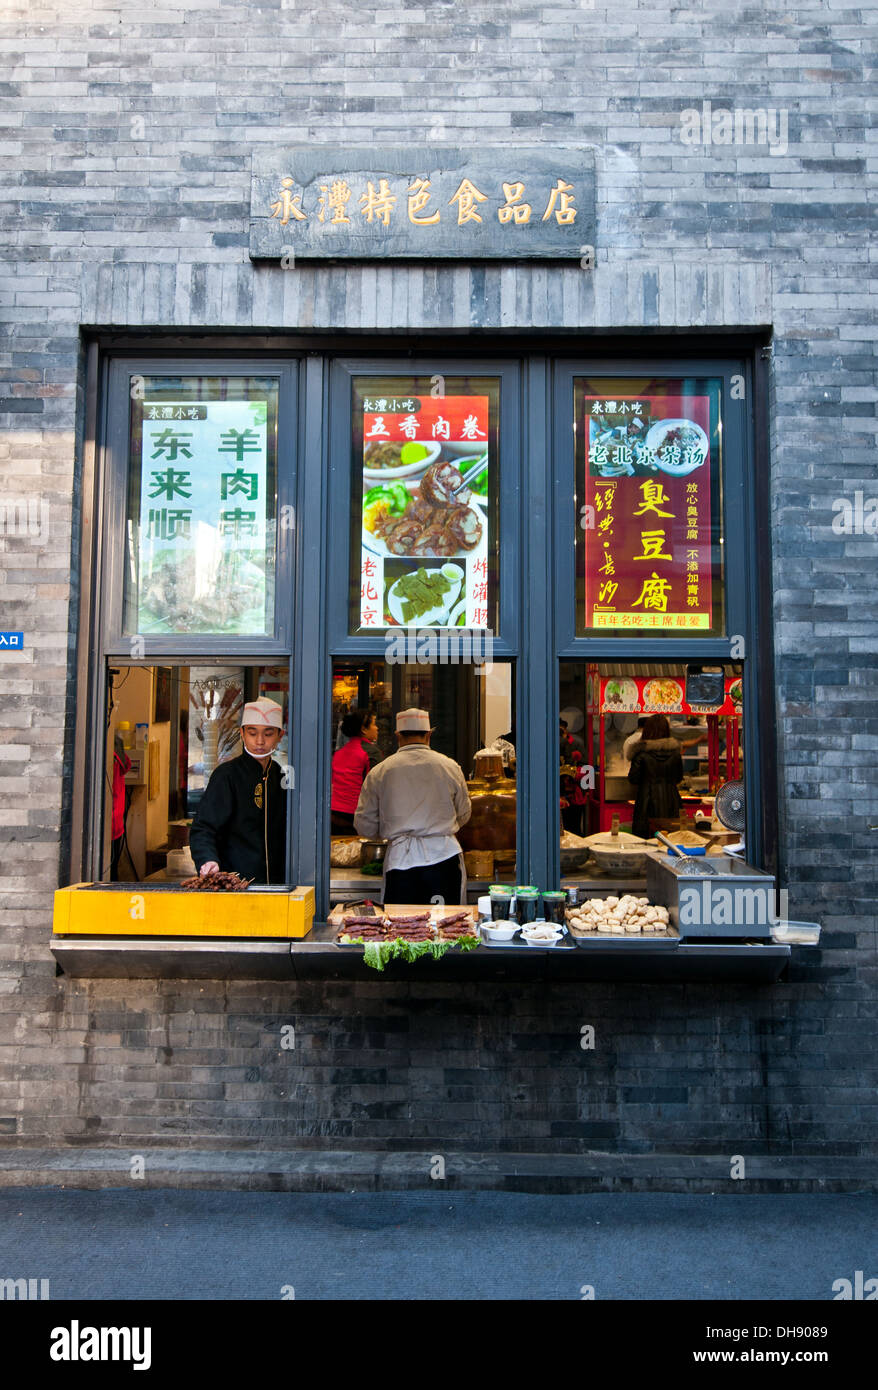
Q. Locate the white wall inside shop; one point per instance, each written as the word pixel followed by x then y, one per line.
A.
pixel 498 701
pixel 147 823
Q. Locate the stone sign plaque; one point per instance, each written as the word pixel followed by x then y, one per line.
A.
pixel 511 203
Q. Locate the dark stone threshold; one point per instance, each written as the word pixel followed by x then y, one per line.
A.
pixel 317 956
pixel 288 1170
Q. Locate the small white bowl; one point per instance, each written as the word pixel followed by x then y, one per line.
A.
pixel 528 934
pixel 499 931
pixel 655 437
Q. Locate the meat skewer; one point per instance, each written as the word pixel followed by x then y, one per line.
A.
pixel 216 882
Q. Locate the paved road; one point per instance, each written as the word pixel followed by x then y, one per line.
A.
pixel 171 1244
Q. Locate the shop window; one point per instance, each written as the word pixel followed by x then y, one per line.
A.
pixel 472 711
pixel 687 717
pixel 168 729
pixel 192 598
pixel 472 511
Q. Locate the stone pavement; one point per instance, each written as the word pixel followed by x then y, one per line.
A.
pixel 158 1243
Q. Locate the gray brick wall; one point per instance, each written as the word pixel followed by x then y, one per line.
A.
pixel 128 134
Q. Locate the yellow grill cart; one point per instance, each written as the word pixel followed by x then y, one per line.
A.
pixel 134 909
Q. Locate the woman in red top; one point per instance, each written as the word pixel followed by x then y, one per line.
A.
pixel 121 765
pixel 350 764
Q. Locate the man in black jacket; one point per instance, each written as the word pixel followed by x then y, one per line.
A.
pixel 241 821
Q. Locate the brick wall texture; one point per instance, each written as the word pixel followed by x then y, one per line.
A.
pixel 127 133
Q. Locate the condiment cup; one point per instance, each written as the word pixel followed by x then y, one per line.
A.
pixel 499 931
pixel 529 934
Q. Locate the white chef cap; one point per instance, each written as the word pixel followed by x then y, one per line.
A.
pixel 413 721
pixel 266 713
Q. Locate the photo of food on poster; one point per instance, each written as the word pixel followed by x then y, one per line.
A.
pixel 647 513
pixel 425 515
pixel 663 695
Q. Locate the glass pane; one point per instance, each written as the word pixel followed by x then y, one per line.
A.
pixel 216 696
pixel 174 726
pixel 202 500
pixel 470 713
pixel 424 534
pixel 648 506
pixel 607 711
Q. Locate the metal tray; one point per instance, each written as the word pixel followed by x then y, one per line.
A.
pixel 358 946
pixel 174 885
pixel 627 941
pixel 565 944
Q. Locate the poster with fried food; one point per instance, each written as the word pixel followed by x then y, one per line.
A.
pixel 425 517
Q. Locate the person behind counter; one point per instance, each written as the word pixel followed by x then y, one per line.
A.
pixel 121 765
pixel 416 799
pixel 573 797
pixel 370 740
pixel 681 734
pixel 656 769
pixel 241 821
pixel 350 766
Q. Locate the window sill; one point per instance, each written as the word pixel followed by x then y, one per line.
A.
pixel 317 956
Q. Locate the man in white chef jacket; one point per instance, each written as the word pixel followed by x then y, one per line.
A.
pixel 417 800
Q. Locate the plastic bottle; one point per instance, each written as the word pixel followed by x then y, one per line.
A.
pixel 140 735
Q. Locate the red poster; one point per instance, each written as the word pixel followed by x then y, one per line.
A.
pixel 425 536
pixel 647 513
pixel 663 695
pixel 463 419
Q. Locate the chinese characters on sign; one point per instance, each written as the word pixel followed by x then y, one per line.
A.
pixel 647 513
pixel 425 519
pixel 333 202
pixel 205 555
pixel 379 205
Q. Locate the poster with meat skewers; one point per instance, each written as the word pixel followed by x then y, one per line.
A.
pixel 647 513
pixel 425 516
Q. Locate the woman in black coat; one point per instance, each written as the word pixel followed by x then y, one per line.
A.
pixel 656 770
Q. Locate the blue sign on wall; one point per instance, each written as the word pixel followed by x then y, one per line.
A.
pixel 12 639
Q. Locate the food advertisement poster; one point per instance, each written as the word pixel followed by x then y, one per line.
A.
pixel 425 516
pixel 663 695
pixel 205 557
pixel 647 513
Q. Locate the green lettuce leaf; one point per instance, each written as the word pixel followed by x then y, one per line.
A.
pixel 377 953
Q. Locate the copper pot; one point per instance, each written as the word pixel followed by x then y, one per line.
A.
pixel 493 796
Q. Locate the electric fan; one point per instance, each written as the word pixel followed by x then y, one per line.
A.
pixel 729 808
